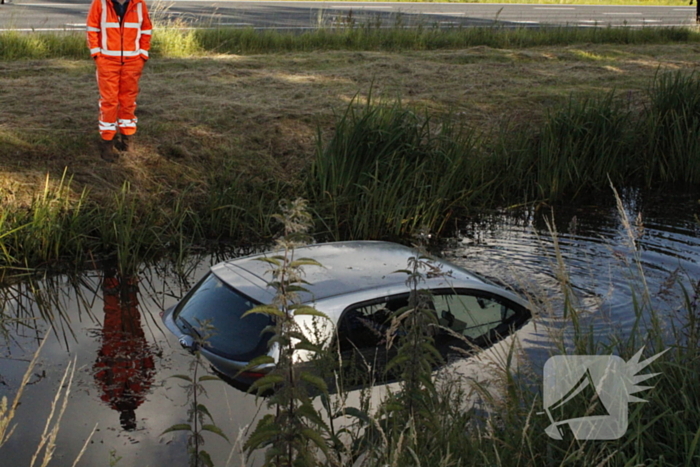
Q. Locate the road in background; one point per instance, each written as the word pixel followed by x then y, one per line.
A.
pixel 70 14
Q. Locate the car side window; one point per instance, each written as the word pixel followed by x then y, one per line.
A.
pixel 364 326
pixel 470 315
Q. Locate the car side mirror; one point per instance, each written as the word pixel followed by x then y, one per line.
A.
pixel 188 343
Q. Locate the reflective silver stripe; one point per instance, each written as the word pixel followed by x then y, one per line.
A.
pixel 128 123
pixel 94 51
pixel 144 52
pixel 119 53
pixel 139 11
pixel 146 32
pixel 104 126
pixel 105 25
pixel 103 21
pixel 91 29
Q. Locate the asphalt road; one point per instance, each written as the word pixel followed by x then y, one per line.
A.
pixel 70 14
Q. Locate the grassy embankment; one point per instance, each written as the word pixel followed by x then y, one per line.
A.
pixel 224 136
pixel 234 120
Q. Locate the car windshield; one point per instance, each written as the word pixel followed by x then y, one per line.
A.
pixel 213 312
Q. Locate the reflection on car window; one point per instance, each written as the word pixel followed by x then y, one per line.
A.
pixel 222 308
pixel 470 315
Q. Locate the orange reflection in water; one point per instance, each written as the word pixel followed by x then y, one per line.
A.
pixel 124 368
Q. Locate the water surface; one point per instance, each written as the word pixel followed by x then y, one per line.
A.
pixel 126 359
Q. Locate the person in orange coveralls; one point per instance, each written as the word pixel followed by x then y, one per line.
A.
pixel 119 38
pixel 124 368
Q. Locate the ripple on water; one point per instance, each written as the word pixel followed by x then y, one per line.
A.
pixel 91 321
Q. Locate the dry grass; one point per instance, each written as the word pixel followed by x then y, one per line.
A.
pixel 261 113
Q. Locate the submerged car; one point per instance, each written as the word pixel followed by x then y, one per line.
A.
pixel 358 287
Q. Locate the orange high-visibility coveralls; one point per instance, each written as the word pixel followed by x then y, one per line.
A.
pixel 120 50
pixel 124 367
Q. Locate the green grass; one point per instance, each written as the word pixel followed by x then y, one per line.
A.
pixel 171 41
pixel 386 171
pixel 562 2
pixel 390 171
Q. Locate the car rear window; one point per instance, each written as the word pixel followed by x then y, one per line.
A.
pixel 213 311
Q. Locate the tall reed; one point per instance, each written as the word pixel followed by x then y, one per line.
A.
pixel 387 171
pixel 578 148
pixel 669 127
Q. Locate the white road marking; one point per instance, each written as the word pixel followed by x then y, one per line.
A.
pixel 75 5
pixel 41 29
pixel 443 13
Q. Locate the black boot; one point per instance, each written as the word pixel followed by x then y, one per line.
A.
pixel 125 143
pixel 107 151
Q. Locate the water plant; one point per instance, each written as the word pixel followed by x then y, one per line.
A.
pixel 667 126
pixel 296 432
pixel 412 332
pixel 46 446
pixel 387 171
pixel 200 420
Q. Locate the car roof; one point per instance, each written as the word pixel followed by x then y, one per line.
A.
pixel 347 268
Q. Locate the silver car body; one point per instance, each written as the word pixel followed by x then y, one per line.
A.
pixel 350 273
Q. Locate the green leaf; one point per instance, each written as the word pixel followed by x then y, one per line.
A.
pixel 257 361
pixel 205 459
pixel 203 409
pixel 305 310
pixel 185 377
pixel 298 336
pixel 208 378
pixel 315 381
pixel 295 288
pixel 357 413
pixel 264 310
pixel 308 411
pixel 265 432
pixel 316 438
pixel 307 346
pixel 396 361
pixel 215 429
pixel 274 260
pixel 266 382
pixel 297 263
pixel 178 427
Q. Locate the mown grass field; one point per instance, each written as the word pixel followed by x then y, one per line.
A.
pixel 224 136
pixel 260 113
